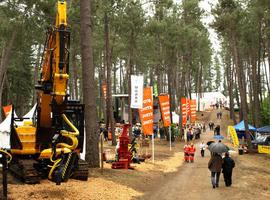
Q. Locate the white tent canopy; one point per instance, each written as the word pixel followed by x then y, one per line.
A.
pixel 209 98
pixel 30 113
pixel 5 132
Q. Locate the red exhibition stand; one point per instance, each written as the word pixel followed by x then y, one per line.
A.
pixel 124 155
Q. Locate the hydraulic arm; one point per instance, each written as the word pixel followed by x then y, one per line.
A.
pixel 55 139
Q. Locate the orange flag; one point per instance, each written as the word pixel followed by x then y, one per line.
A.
pixel 164 103
pixel 104 90
pixel 193 110
pixel 7 109
pixel 188 107
pixel 146 113
pixel 184 110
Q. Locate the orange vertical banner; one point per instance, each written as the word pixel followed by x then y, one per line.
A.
pixel 193 110
pixel 7 109
pixel 184 110
pixel 146 113
pixel 188 108
pixel 104 90
pixel 164 103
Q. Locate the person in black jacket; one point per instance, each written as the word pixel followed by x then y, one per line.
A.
pixel 215 166
pixel 227 168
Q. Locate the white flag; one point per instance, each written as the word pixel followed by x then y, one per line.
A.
pixel 136 91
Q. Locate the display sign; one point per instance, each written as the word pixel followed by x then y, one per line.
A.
pixel 263 149
pixel 184 110
pixel 104 90
pixel 192 104
pixel 188 108
pixel 233 135
pixel 146 113
pixel 136 92
pixel 164 103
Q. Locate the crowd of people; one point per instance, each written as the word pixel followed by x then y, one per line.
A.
pixel 190 133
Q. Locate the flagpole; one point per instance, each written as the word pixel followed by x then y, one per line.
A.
pixel 153 148
pixel 170 134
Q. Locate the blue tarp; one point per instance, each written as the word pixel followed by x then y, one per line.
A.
pixel 241 127
pixel 265 129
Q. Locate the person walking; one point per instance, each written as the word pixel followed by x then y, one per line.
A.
pixel 217 130
pixel 215 165
pixel 186 152
pixel 202 148
pixel 192 151
pixel 204 128
pixel 189 134
pixel 227 168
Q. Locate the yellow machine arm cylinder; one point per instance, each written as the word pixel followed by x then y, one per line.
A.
pixel 8 154
pixel 70 135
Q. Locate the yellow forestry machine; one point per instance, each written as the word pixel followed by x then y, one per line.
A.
pixel 49 144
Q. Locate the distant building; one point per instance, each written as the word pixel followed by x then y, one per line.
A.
pixel 208 99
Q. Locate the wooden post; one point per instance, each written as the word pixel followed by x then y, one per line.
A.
pixel 101 151
pixel 170 135
pixel 4 174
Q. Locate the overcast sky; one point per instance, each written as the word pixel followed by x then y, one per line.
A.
pixel 206 5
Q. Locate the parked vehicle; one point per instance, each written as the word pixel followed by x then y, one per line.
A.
pixel 261 140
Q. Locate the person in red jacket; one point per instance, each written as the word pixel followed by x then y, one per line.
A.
pixel 192 151
pixel 186 152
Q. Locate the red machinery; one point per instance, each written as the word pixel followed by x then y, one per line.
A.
pixel 124 155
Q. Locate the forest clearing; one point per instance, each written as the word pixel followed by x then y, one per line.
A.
pixel 168 178
pixel 135 99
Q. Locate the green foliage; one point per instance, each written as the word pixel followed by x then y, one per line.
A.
pixel 266 111
pixel 171 40
pixel 217 68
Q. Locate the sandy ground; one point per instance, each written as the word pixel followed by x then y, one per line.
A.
pixel 168 178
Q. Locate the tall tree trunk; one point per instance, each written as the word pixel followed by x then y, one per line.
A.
pixel 230 84
pixel 199 85
pixel 109 79
pixel 240 77
pixel 75 75
pixel 36 72
pixel 181 94
pixel 255 87
pixel 268 55
pixel 130 72
pixel 250 87
pixel 266 75
pixel 114 79
pixel 4 63
pixel 89 85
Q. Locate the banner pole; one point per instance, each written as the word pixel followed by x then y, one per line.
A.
pixel 153 148
pixel 170 135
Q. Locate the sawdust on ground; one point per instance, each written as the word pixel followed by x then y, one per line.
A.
pixel 168 177
pixel 110 184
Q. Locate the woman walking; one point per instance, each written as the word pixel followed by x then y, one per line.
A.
pixel 215 165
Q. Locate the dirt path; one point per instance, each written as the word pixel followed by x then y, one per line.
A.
pixel 192 181
pixel 167 178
